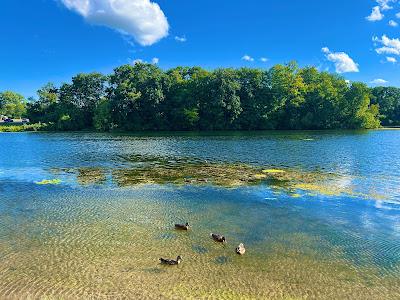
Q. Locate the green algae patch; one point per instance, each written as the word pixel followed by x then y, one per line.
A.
pixel 226 175
pixel 90 176
pixel 48 182
pixel 196 172
pixel 146 170
pixel 84 176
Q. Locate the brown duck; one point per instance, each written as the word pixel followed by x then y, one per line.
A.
pixel 182 226
pixel 171 262
pixel 218 238
pixel 240 249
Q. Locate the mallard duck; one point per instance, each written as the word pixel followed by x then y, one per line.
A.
pixel 171 262
pixel 240 249
pixel 182 226
pixel 218 238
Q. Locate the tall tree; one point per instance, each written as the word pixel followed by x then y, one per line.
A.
pixel 388 99
pixel 358 111
pixel 324 97
pixel 44 109
pixel 144 97
pixel 140 91
pixel 12 104
pixel 181 105
pixel 78 101
pixel 288 89
pixel 256 99
pixel 219 102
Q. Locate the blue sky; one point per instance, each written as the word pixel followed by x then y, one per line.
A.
pixel 51 40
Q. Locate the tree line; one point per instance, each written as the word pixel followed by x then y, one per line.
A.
pixel 144 97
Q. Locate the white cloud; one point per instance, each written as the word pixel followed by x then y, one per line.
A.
pixel 181 39
pixel 384 4
pixel 342 61
pixel 142 19
pixel 379 81
pixel 389 46
pixel 391 59
pixel 387 50
pixel 375 15
pixel 325 50
pixel 247 58
pixel 398 15
pixel 393 23
pixel 264 59
pixel 154 61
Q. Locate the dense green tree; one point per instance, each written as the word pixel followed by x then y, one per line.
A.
pixel 144 97
pixel 358 113
pixel 102 116
pixel 388 99
pixel 288 90
pixel 12 104
pixel 324 98
pixel 44 109
pixel 256 99
pixel 72 106
pixel 136 94
pixel 181 106
pixel 79 99
pixel 219 102
pixel 124 99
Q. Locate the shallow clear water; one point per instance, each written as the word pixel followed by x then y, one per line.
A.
pixel 86 235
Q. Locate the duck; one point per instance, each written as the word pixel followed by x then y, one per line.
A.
pixel 218 238
pixel 182 226
pixel 171 262
pixel 240 249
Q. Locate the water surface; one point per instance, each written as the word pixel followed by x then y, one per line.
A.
pixel 86 215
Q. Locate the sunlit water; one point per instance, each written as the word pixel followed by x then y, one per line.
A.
pixel 82 237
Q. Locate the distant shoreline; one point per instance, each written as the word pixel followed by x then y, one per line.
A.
pixel 42 127
pixel 390 128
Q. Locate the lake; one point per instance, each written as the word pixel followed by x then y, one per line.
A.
pixel 88 215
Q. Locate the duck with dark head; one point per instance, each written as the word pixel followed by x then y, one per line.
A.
pixel 218 238
pixel 182 226
pixel 171 262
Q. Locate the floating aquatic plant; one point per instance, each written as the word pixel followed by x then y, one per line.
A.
pixel 139 170
pixel 48 181
pixel 87 176
pixel 295 195
pixel 273 171
pixel 260 176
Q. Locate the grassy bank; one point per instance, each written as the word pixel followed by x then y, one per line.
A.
pixel 22 127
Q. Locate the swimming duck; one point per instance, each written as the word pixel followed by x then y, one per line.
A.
pixel 218 238
pixel 171 262
pixel 240 249
pixel 182 226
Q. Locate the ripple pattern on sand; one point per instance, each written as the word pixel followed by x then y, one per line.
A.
pixel 105 244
